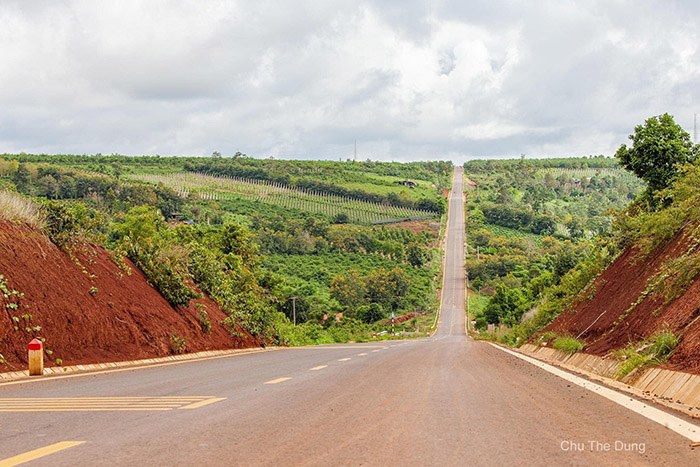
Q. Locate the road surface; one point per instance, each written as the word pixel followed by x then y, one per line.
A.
pixel 445 400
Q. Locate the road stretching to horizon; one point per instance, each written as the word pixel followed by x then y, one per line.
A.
pixel 444 400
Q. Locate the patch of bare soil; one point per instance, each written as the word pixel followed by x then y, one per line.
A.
pixel 89 309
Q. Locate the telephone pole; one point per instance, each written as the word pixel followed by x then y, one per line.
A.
pixel 294 309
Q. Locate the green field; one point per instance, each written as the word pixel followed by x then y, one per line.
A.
pixel 208 187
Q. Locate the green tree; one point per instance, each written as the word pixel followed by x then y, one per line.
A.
pixel 371 313
pixel 659 147
pixel 23 178
pixel 238 239
pixel 140 227
pixel 388 288
pixel 506 306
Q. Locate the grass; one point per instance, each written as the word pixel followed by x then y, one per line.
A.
pixel 546 338
pixel 568 344
pixel 652 351
pixel 16 208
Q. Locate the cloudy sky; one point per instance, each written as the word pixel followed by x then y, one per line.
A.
pixel 407 79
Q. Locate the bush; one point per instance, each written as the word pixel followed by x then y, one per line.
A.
pixel 161 275
pixel 178 344
pixel 68 223
pixel 204 320
pixel 143 238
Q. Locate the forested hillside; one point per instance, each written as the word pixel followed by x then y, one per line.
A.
pixel 532 221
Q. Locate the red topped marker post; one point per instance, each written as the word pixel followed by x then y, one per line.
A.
pixel 36 357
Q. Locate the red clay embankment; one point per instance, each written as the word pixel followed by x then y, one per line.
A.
pixel 608 321
pixel 90 310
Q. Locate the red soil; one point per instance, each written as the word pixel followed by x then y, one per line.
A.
pixel 416 226
pixel 124 318
pixel 604 325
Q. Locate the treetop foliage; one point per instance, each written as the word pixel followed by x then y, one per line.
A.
pixel 659 147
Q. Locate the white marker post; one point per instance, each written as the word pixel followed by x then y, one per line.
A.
pixel 36 357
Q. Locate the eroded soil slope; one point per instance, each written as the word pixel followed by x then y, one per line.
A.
pixel 608 321
pixel 90 310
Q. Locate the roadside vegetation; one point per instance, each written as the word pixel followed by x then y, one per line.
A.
pixel 652 351
pixel 533 228
pixel 605 214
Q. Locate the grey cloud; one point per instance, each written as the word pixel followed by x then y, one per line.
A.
pixel 407 79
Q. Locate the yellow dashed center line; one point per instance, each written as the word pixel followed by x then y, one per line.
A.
pixel 377 350
pixel 38 453
pixel 278 380
pixel 320 367
pixel 344 359
pixel 361 354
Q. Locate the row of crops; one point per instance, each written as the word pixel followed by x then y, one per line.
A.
pixel 591 172
pixel 210 187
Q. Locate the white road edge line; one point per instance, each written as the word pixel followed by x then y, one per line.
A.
pixel 680 426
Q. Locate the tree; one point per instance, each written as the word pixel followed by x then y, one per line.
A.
pixel 238 240
pixel 387 287
pixel 371 313
pixel 659 147
pixel 23 178
pixel 349 290
pixel 140 227
pixel 507 306
pixel 216 155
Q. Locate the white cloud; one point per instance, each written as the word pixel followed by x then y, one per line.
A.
pixel 407 79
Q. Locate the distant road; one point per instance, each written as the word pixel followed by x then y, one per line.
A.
pixel 445 400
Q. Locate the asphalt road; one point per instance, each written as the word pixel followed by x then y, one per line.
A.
pixel 445 400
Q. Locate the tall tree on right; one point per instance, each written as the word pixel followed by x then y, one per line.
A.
pixel 659 148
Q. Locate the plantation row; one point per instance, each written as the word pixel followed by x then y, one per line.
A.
pixel 590 172
pixel 223 188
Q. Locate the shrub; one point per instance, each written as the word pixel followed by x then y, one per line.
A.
pixel 143 238
pixel 178 344
pixel 204 320
pixel 164 277
pixel 68 223
pixel 17 208
pixel 568 344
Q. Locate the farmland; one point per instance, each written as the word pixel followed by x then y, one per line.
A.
pixel 335 207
